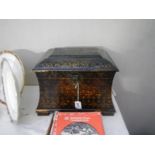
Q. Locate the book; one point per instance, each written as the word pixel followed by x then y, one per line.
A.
pixel 77 123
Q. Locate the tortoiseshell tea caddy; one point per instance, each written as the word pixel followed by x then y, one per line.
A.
pixel 59 74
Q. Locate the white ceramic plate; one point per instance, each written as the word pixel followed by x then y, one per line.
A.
pixel 16 66
pixel 11 91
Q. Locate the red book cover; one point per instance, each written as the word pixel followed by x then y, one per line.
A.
pixel 77 123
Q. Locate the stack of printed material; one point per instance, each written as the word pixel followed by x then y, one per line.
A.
pixel 77 123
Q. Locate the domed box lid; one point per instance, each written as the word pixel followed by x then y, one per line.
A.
pixel 77 59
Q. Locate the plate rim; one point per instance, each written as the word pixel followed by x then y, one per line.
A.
pixel 20 62
pixel 18 96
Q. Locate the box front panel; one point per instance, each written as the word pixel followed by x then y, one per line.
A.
pixel 60 93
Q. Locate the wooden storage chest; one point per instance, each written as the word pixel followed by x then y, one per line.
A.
pixel 60 73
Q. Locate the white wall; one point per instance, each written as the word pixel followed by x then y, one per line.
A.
pixel 131 44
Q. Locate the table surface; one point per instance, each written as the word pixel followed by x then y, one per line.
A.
pixel 32 124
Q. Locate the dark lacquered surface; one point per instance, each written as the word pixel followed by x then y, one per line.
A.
pixel 59 73
pixel 76 59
